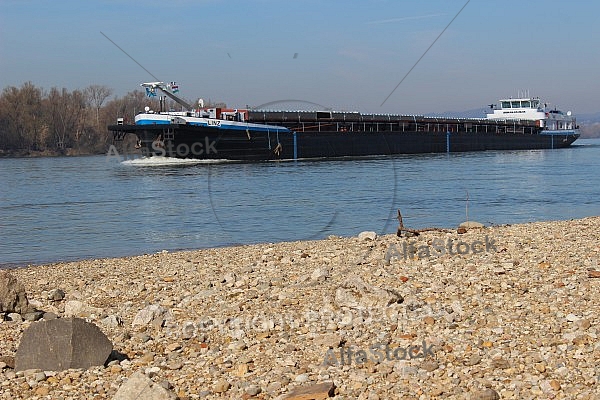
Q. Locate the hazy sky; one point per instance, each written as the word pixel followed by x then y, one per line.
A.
pixel 350 54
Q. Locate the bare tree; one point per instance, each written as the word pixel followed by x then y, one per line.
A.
pixel 65 112
pixel 21 114
pixel 96 96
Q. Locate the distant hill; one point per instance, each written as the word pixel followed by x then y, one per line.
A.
pixel 588 118
pixel 588 123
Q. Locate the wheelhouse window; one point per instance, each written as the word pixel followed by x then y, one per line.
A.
pixel 526 104
pixel 506 104
pixel 516 104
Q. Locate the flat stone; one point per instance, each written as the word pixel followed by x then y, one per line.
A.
pixel 61 344
pixel 487 394
pixel 139 386
pixel 318 391
pixel 173 347
pixel 221 386
pixel 150 315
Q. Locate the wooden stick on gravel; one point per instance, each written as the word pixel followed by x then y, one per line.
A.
pixel 414 232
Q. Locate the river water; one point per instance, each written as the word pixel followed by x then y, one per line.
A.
pixel 69 208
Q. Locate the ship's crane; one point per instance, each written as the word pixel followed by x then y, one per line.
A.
pixel 163 88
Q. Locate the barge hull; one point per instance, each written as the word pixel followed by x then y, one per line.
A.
pixel 188 141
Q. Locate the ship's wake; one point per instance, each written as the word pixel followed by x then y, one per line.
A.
pixel 158 161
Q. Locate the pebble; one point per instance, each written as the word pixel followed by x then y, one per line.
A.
pixel 39 376
pixel 221 386
pixel 152 371
pixel 430 366
pixel 572 318
pixel 253 390
pixel 367 236
pixel 42 391
pixel 473 359
pixel 487 394
pixel 15 317
pixel 175 365
pixel 173 347
pixel 56 295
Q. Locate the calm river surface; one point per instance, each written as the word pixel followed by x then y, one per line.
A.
pixel 56 209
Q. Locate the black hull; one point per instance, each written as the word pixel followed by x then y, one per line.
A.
pixel 187 141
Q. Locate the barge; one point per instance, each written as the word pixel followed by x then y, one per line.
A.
pixel 263 135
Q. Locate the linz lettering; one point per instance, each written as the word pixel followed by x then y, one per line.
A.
pixel 212 122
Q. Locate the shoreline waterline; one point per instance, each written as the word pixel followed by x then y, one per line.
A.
pixel 4 266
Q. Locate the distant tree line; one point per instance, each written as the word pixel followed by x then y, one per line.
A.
pixel 35 121
pixel 590 130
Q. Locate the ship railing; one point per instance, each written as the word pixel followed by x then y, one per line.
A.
pixel 412 126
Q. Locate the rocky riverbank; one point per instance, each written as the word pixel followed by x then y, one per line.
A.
pixel 507 312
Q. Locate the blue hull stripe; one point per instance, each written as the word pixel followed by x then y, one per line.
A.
pixel 559 133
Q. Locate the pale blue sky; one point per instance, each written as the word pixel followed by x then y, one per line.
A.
pixel 351 54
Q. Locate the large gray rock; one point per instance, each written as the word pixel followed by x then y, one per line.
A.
pixel 13 298
pixel 61 344
pixel 139 386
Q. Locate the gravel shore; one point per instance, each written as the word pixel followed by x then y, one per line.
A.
pixel 508 312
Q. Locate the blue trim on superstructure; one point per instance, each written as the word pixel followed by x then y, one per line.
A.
pixel 254 127
pixel 152 122
pixel 222 125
